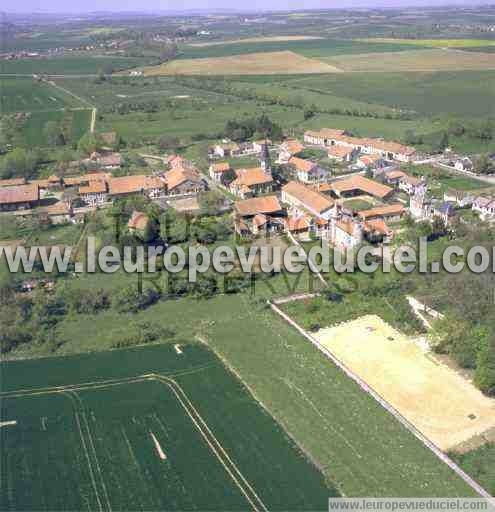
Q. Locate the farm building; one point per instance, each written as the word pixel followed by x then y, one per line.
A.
pixel 485 206
pixel 258 214
pixel 94 193
pixel 288 149
pixel 458 197
pixel 409 184
pixel 179 181
pixel 385 149
pixel 226 149
pixel 358 185
pixel 12 182
pixel 251 182
pixel 138 222
pixel 304 200
pixel 390 212
pixel 19 198
pixel 308 172
pixel 342 154
pixel 152 186
pixel 218 171
pixel 322 137
pixel 464 164
pixel 371 162
pixel 268 205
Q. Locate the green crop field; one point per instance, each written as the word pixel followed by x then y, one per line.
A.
pixel 70 65
pixel 314 48
pixel 173 431
pixel 466 93
pixel 28 95
pixel 361 449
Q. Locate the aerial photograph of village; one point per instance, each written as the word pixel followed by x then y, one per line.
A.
pixel 247 255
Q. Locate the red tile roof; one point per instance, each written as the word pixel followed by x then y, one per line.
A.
pixel 308 197
pixel 221 167
pixel 131 184
pixel 301 165
pixel 179 175
pixel 361 183
pixel 21 194
pixel 250 177
pixel 266 204
pixel 13 182
pixel 94 187
pixel 383 211
pixel 138 221
pixel 339 151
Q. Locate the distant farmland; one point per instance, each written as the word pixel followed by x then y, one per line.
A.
pixel 315 48
pixel 276 63
pixel 415 60
pixel 435 43
pixel 70 65
pixel 188 437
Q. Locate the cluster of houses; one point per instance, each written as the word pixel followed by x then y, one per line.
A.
pixel 314 202
pixel 319 210
pixel 94 189
pixel 247 182
pixel 228 148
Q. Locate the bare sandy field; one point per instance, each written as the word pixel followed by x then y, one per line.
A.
pixel 271 63
pixel 439 402
pixel 415 60
pixel 272 39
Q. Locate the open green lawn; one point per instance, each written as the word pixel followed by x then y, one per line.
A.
pixel 358 204
pixel 221 450
pixel 28 95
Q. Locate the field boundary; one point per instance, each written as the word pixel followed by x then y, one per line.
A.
pixel 371 392
pixel 199 423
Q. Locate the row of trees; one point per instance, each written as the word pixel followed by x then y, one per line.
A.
pixel 20 163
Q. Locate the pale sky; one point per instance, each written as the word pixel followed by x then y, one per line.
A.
pixel 75 6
